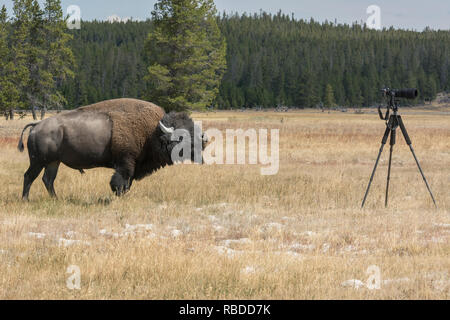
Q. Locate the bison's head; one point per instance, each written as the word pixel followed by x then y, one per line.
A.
pixel 183 139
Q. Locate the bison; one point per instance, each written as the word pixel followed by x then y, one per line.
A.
pixel 133 137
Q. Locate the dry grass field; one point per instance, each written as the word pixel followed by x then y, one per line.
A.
pixel 226 232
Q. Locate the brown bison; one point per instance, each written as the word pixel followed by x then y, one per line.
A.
pixel 133 137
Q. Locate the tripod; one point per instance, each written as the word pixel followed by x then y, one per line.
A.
pixel 395 121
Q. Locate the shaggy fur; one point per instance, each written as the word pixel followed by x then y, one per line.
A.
pixel 133 122
pixel 158 149
pixel 138 145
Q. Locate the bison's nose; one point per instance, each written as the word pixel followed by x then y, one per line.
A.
pixel 205 138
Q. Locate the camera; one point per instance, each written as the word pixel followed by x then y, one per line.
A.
pixel 410 93
pixel 392 95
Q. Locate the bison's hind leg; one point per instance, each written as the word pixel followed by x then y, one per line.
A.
pixel 51 170
pixel 32 173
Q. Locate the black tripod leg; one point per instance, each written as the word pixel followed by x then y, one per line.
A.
pixel 393 138
pixel 383 143
pixel 408 141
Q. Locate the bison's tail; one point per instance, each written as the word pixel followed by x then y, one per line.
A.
pixel 20 146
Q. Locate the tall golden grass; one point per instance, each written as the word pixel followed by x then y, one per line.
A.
pixel 226 232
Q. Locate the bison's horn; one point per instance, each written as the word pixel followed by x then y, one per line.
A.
pixel 165 129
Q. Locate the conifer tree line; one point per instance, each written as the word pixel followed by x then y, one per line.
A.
pixel 35 57
pixel 271 60
pixel 275 59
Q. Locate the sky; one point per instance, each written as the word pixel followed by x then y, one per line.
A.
pixel 404 14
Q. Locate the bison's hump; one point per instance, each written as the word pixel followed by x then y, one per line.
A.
pixel 127 105
pixel 133 123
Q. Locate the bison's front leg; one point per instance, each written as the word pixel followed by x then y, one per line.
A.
pixel 122 179
pixel 119 184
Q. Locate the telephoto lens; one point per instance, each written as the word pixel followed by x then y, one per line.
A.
pixel 406 93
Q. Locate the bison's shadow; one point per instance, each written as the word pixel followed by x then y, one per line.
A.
pixel 67 205
pixel 104 201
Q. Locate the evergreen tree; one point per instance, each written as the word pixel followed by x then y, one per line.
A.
pixel 329 97
pixel 39 79
pixel 20 74
pixel 186 54
pixel 9 94
pixel 58 58
pixel 430 90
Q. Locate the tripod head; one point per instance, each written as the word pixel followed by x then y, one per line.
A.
pixel 392 95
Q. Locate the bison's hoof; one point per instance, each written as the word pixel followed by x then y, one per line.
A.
pixel 119 185
pixel 120 191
